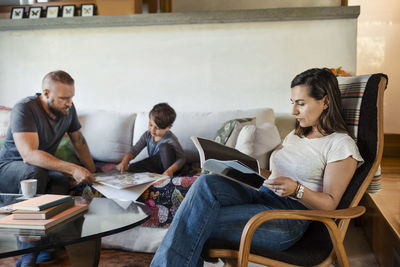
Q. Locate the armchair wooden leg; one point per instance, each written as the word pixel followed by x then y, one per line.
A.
pixel 337 241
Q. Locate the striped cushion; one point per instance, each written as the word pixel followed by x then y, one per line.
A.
pixel 352 89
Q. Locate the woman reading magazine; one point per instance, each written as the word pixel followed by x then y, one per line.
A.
pixel 310 170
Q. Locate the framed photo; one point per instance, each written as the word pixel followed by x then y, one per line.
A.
pixel 68 11
pixel 17 13
pixel 87 10
pixel 52 11
pixel 35 12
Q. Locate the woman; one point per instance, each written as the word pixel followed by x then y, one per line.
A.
pixel 310 170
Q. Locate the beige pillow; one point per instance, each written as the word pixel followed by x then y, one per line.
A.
pixel 230 130
pixel 258 141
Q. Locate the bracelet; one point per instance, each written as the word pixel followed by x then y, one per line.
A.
pixel 297 189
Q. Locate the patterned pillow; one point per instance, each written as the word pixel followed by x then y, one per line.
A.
pixel 65 151
pixel 5 113
pixel 228 133
pixel 164 198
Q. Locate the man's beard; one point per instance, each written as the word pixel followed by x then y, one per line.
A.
pixel 54 110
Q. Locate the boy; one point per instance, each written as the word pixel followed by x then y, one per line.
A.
pixel 165 153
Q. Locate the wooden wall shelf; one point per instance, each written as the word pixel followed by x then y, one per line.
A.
pixel 232 16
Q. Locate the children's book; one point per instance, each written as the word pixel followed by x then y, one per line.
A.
pixel 229 162
pixel 41 202
pixel 125 180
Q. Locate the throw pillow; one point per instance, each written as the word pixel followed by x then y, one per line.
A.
pixel 258 141
pixel 5 113
pixel 230 130
pixel 65 151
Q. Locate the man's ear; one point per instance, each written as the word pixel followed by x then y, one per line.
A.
pixel 46 93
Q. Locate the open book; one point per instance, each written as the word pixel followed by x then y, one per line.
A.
pixel 127 179
pixel 127 186
pixel 228 162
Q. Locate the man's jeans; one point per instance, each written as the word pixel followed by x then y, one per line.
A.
pixel 12 172
pixel 219 208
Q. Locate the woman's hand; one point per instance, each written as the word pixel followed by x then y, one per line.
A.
pixel 282 186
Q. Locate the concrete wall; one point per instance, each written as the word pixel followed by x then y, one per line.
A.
pixel 193 67
pixel 202 5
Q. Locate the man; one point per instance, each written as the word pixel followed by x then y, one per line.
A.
pixel 36 127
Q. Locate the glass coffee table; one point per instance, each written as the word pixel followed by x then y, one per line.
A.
pixel 81 235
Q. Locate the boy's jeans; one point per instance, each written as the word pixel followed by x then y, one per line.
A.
pixel 218 208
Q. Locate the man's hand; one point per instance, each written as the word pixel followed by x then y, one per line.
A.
pixel 82 175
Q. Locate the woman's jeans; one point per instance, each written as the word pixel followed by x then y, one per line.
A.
pixel 219 208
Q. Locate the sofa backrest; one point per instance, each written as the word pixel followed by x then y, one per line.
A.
pixel 202 124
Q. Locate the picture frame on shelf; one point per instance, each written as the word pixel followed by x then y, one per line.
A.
pixel 52 11
pixel 87 10
pixel 17 13
pixel 35 12
pixel 68 11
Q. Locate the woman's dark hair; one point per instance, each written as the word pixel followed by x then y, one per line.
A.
pixel 163 115
pixel 320 83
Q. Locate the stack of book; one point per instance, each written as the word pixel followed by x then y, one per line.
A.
pixel 42 212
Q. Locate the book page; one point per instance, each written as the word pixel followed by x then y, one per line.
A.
pixel 120 181
pixel 209 149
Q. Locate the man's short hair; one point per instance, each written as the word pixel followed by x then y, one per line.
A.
pixel 59 76
pixel 163 115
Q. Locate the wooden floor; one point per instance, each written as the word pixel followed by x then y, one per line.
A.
pixel 388 200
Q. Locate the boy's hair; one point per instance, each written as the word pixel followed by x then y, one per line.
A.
pixel 163 115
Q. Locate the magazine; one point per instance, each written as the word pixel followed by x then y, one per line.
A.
pixel 127 179
pixel 229 162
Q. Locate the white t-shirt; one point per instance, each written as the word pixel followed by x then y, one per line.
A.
pixel 304 159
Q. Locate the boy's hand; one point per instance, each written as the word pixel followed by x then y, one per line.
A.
pixel 169 172
pixel 122 166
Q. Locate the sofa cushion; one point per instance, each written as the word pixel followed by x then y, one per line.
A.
pixel 108 134
pixel 258 141
pixel 229 131
pixel 202 124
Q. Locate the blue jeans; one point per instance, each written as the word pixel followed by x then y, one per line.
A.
pixel 219 208
pixel 12 172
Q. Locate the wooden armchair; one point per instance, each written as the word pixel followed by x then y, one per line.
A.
pixel 323 242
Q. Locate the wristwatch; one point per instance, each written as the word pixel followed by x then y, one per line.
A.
pixel 300 192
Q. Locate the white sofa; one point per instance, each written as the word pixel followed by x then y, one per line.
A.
pixel 110 135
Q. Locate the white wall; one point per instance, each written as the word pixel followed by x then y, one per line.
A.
pixel 201 5
pixel 193 67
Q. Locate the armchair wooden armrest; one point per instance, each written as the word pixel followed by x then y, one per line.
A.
pixel 326 217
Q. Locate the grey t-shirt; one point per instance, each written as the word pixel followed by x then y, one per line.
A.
pixel 28 115
pixel 153 147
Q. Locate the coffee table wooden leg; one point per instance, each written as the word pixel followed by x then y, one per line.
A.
pixel 85 253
